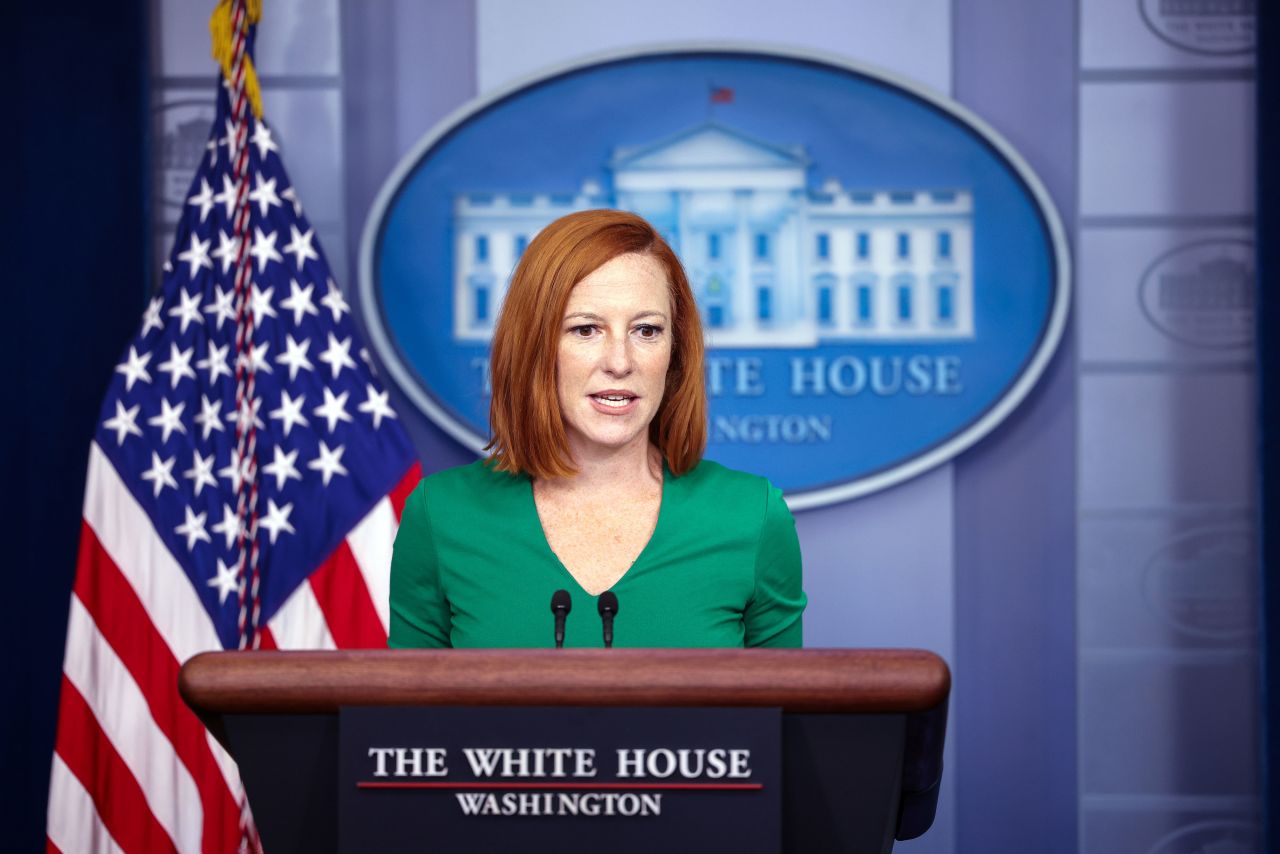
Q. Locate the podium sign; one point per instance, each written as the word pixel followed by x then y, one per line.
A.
pixel 560 779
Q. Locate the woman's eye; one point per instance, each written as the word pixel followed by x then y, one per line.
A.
pixel 649 331
pixel 584 331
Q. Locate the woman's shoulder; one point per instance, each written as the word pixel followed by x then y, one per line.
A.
pixel 728 488
pixel 466 484
pixel 712 473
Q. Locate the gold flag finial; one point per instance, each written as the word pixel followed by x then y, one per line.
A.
pixel 220 28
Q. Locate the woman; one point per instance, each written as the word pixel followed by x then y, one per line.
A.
pixel 595 480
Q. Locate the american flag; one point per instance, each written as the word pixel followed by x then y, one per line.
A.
pixel 164 571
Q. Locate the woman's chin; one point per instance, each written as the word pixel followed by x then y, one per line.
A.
pixel 608 440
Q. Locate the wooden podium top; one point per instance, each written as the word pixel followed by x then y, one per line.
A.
pixel 797 680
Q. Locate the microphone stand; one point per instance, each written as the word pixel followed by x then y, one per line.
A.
pixel 561 604
pixel 608 607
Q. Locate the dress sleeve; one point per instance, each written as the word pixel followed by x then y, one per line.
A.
pixel 772 616
pixel 419 609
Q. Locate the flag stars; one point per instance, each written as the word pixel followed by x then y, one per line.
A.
pixel 187 311
pixel 203 199
pixel 260 304
pixel 300 247
pixel 291 196
pixel 290 412
pixel 334 302
pixel 295 356
pixel 227 198
pixel 134 368
pixel 210 418
pixel 262 139
pixel 231 140
pixel 277 520
pixel 229 527
pixel 236 471
pixel 124 422
pixel 193 528
pixel 228 249
pixel 175 314
pixel 151 317
pixel 169 420
pixel 264 193
pixel 376 405
pixel 216 362
pixel 196 255
pixel 264 248
pixel 247 413
pixel 255 358
pixel 282 467
pixel 178 365
pixel 201 472
pixel 160 474
pixel 222 307
pixel 338 355
pixel 299 300
pixel 334 408
pixel 226 581
pixel 329 462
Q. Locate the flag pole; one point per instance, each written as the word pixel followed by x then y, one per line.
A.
pixel 243 91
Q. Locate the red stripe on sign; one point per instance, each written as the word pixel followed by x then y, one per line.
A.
pixel 400 494
pixel 89 755
pixel 584 787
pixel 50 848
pixel 345 602
pixel 125 624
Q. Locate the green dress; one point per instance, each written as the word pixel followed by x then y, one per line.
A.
pixel 472 567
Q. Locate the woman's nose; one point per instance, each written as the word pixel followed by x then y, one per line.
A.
pixel 617 356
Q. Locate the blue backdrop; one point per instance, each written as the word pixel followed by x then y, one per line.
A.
pixel 1268 320
pixel 77 244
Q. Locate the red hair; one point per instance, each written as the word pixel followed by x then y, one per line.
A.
pixel 528 433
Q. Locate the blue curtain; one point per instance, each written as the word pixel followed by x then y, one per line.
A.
pixel 75 277
pixel 1268 354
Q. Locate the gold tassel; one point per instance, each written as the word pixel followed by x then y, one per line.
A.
pixel 223 51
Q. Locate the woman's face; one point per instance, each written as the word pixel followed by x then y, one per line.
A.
pixel 615 347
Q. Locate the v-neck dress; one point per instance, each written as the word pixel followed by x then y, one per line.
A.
pixel 472 568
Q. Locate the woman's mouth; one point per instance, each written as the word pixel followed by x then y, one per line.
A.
pixel 613 402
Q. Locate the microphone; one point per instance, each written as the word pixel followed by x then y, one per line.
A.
pixel 561 603
pixel 608 606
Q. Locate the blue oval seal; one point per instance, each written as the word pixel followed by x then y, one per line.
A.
pixel 881 278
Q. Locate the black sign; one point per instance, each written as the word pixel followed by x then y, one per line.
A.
pixel 560 779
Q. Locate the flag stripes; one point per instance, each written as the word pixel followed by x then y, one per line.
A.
pixel 126 628
pixel 77 827
pixel 112 695
pixel 116 794
pixel 344 601
pixel 300 623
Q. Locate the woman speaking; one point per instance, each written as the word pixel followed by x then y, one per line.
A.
pixel 595 480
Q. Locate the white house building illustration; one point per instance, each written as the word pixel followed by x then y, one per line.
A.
pixel 772 262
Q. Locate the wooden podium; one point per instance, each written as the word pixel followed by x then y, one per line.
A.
pixel 861 744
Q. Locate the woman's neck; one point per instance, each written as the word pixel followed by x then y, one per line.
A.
pixel 621 470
